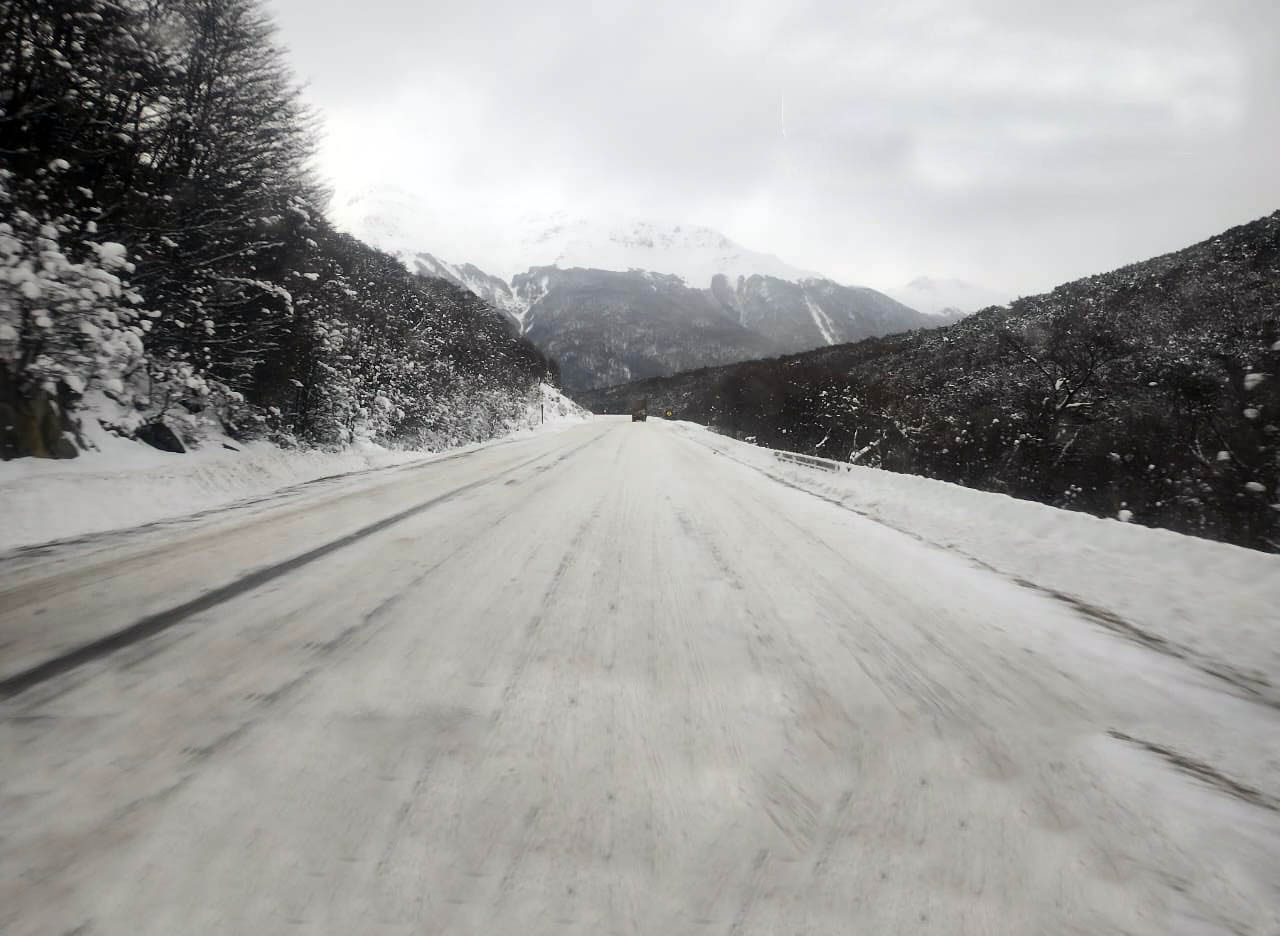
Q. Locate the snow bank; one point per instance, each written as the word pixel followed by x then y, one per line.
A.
pixel 550 407
pixel 1214 603
pixel 127 483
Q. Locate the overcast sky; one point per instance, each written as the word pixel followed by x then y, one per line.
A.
pixel 1013 143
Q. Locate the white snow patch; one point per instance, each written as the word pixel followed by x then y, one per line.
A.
pixel 820 319
pixel 127 483
pixel 550 408
pixel 112 255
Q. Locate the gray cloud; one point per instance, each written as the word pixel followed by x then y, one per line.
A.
pixel 1010 142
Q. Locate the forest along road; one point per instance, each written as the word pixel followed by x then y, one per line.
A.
pixel 594 681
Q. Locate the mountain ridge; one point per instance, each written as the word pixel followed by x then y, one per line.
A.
pixel 403 224
pixel 621 301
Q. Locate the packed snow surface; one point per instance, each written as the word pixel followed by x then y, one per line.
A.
pixel 618 678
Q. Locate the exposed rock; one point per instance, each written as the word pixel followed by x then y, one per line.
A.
pixel 36 426
pixel 606 327
pixel 158 435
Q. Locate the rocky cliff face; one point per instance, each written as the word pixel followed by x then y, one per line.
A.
pixel 497 292
pixel 606 327
pixel 812 313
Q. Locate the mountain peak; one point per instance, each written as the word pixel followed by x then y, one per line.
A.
pixel 936 295
pixel 405 224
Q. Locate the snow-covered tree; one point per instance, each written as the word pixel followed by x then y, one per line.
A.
pixel 156 155
pixel 69 323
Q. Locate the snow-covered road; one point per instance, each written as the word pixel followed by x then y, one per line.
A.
pixel 603 680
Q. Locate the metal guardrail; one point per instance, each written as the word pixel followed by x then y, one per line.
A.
pixel 812 461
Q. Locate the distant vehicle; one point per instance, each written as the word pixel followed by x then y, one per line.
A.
pixel 640 409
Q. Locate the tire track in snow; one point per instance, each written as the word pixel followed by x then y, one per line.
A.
pixel 1203 772
pixel 1248 686
pixel 161 621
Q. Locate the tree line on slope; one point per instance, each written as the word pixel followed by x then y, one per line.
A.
pixel 164 259
pixel 1151 393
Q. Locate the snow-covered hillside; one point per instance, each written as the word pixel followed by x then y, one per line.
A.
pixel 497 292
pixel 405 224
pixel 934 296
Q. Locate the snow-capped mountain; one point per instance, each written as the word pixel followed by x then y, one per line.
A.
pixel 935 296
pixel 606 326
pixel 405 224
pixel 497 292
pixel 695 254
pixel 618 300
